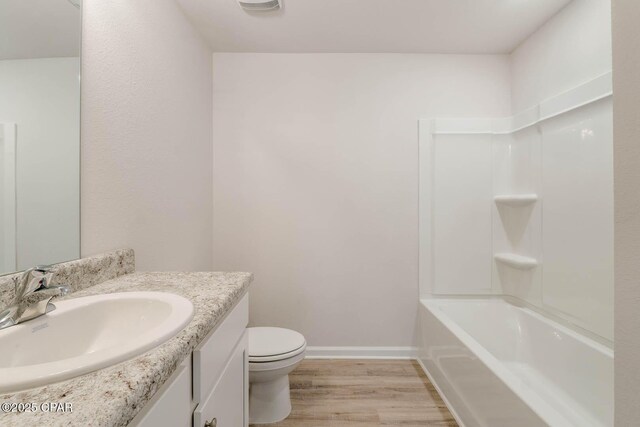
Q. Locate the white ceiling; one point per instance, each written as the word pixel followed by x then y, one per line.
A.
pixel 403 26
pixel 39 29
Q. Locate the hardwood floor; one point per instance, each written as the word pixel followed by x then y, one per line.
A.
pixel 363 393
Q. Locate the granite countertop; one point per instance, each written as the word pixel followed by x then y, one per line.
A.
pixel 113 396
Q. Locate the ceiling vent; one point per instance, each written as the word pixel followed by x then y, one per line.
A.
pixel 259 4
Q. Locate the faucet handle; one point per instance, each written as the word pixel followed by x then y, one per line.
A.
pixel 43 273
pixel 25 285
pixel 43 268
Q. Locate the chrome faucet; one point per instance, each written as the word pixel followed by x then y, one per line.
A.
pixel 34 280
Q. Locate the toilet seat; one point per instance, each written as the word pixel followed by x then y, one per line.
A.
pixel 268 344
pixel 277 357
pixel 276 365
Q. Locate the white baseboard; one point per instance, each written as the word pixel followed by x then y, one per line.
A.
pixel 361 352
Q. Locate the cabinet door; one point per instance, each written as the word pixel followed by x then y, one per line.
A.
pixel 211 356
pixel 171 405
pixel 227 405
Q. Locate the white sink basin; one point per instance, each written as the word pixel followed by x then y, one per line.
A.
pixel 86 334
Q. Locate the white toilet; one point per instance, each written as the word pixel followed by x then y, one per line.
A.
pixel 273 354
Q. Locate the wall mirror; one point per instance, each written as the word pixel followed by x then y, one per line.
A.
pixel 39 132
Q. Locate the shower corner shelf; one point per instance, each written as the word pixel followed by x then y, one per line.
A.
pixel 516 199
pixel 516 261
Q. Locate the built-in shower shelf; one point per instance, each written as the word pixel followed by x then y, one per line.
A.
pixel 516 199
pixel 516 261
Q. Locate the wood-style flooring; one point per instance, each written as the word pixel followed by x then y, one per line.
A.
pixel 363 393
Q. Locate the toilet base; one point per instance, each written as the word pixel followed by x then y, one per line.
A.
pixel 269 401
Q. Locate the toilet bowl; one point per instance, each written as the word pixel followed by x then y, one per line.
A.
pixel 273 354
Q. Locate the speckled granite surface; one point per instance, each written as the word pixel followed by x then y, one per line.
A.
pixel 79 274
pixel 114 395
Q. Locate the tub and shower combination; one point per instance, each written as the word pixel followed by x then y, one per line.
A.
pixel 498 364
pixel 516 274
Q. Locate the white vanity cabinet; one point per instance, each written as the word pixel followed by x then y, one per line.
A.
pixel 227 403
pixel 211 388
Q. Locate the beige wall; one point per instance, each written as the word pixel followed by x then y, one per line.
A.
pixel 316 181
pixel 146 134
pixel 626 63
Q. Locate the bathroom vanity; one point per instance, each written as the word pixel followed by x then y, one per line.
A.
pixel 197 377
pixel 211 386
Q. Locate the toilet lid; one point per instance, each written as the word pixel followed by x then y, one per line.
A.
pixel 268 342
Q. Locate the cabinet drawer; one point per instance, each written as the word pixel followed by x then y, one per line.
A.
pixel 227 403
pixel 210 357
pixel 171 405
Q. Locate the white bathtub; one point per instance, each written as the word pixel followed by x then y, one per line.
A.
pixel 499 365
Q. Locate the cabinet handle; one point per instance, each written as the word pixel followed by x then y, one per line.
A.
pixel 212 423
